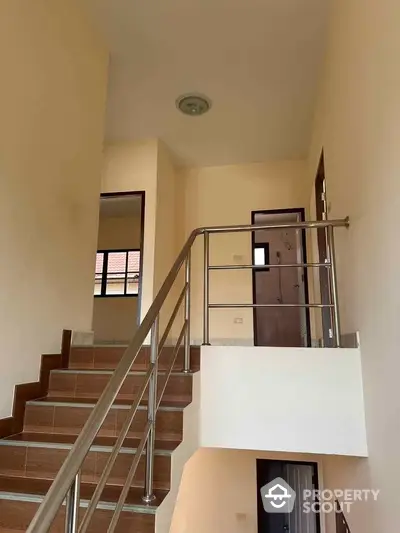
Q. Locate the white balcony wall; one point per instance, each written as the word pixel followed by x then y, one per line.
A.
pixel 303 400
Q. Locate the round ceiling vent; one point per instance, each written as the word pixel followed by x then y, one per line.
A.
pixel 193 104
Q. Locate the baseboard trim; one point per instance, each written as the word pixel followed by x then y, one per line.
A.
pixel 25 392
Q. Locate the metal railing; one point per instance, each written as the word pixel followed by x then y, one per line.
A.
pixel 66 485
pixel 342 525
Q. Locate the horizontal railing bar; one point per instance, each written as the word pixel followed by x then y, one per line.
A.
pixel 263 267
pixel 171 320
pixel 228 306
pixel 315 224
pixel 129 479
pixel 173 359
pixel 115 451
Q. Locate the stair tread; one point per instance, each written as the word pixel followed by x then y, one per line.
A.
pixel 180 403
pixel 61 438
pixel 110 371
pixel 40 487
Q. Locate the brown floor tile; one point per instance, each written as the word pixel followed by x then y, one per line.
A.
pixel 39 418
pixel 12 460
pixel 62 384
pixel 81 357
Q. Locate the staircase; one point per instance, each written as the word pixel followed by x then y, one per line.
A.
pixel 30 460
pixel 84 434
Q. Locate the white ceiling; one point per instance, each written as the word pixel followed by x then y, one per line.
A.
pixel 258 61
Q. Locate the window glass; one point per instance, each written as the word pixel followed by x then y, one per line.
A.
pixel 117 273
pixel 259 256
pixel 133 272
pixel 99 273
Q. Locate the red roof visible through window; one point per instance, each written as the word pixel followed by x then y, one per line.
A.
pixel 99 263
pixel 117 273
pixel 117 262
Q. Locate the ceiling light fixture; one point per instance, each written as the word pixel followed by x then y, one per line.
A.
pixel 193 104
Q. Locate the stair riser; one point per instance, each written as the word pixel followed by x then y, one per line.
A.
pixel 84 385
pixel 17 515
pixel 65 419
pixel 108 358
pixel 44 463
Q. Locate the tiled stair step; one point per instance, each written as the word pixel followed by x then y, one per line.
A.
pixel 69 417
pixel 20 499
pixel 107 357
pixel 43 460
pixel 91 383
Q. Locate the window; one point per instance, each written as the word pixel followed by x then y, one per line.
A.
pixel 261 255
pixel 117 273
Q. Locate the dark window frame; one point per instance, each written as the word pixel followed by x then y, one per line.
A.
pixel 103 290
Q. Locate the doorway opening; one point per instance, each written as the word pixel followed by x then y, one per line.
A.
pixel 300 476
pixel 280 325
pixel 119 267
pixel 322 214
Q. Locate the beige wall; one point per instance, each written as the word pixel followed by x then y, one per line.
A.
pixel 179 201
pixel 133 167
pixel 148 166
pixel 52 99
pixel 115 319
pixel 358 124
pixel 223 196
pixel 119 232
pixel 166 225
pixel 218 491
pixel 347 473
pixel 169 234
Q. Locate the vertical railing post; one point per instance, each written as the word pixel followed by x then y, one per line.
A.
pixel 151 415
pixel 72 506
pixel 186 366
pixel 206 311
pixel 334 286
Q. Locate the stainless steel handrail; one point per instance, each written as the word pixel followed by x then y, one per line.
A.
pixel 66 483
pixel 312 224
pixel 258 267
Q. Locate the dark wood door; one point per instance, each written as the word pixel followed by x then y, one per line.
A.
pixel 270 522
pixel 279 325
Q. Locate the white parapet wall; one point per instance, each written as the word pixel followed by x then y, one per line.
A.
pixel 180 456
pixel 305 400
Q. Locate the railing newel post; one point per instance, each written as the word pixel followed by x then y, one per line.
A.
pixel 72 506
pixel 187 365
pixel 151 414
pixel 334 286
pixel 206 300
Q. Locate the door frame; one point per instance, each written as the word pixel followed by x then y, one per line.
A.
pixel 302 212
pixel 142 195
pixel 260 461
pixel 321 212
